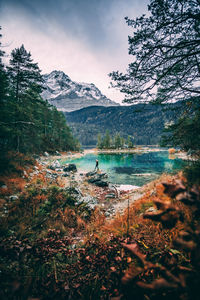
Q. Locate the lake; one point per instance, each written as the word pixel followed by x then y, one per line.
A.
pixel 130 168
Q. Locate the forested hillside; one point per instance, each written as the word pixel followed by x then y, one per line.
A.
pixel 144 122
pixel 28 124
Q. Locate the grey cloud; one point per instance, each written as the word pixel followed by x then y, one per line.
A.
pixel 84 19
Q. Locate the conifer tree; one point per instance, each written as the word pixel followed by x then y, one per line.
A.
pixel 107 140
pixel 117 141
pixel 99 141
pixel 23 73
pixel 129 142
pixel 25 87
pixel 4 107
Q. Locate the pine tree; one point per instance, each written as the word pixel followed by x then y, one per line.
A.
pixel 23 73
pixel 25 88
pixel 117 141
pixel 129 142
pixel 99 141
pixel 5 109
pixel 106 140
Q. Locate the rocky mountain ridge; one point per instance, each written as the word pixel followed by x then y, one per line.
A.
pixel 68 95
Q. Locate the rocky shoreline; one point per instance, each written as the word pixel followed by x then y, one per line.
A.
pixel 91 188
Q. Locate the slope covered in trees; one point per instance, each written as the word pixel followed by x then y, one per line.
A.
pixel 144 123
pixel 28 124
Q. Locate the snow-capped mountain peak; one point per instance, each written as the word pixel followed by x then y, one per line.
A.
pixel 68 95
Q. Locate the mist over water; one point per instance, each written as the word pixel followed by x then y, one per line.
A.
pixel 130 169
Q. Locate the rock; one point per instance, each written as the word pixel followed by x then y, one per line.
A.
pixel 35 173
pixel 56 164
pixel 110 196
pixel 101 183
pixel 25 174
pixel 66 175
pixel 93 180
pixel 70 167
pixel 151 209
pixel 46 154
pixel 48 172
pixel 4 187
pixel 89 174
pixel 102 175
pixel 58 153
pixel 51 168
pixel 96 178
pixel 13 198
pixel 89 200
pixel 110 211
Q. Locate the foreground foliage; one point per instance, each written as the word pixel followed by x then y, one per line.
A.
pixel 54 248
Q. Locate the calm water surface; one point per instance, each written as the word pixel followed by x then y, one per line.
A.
pixel 134 169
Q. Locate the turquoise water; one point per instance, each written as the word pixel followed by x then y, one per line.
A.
pixel 132 169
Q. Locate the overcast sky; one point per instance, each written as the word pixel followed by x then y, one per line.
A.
pixel 87 39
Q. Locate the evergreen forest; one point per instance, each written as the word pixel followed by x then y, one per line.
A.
pixel 28 124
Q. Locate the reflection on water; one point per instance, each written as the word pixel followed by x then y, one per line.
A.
pixel 134 169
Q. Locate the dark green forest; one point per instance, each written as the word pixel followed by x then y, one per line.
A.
pixel 28 124
pixel 143 122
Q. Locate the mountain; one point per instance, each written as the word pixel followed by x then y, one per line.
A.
pixel 68 95
pixel 144 122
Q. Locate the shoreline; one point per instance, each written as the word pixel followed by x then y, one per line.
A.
pixel 140 150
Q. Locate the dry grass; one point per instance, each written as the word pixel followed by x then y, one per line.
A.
pixel 150 234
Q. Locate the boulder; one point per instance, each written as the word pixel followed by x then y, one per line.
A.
pixel 110 211
pixel 93 180
pixel 151 209
pixel 4 187
pixel 13 198
pixel 98 182
pixel 56 164
pixel 57 153
pixel 110 196
pixel 46 154
pixel 25 173
pixel 51 168
pixel 102 175
pixel 89 174
pixel 101 183
pixel 66 174
pixel 89 200
pixel 96 178
pixel 70 167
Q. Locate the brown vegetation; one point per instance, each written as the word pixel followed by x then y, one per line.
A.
pixel 53 248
